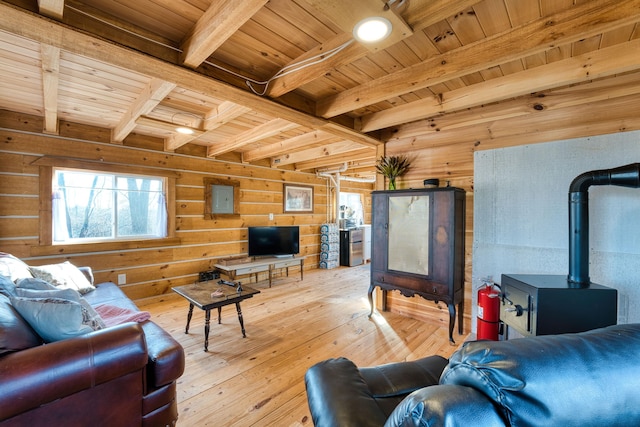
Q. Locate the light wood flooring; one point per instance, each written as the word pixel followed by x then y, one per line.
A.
pixel 259 380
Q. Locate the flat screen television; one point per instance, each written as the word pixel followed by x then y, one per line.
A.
pixel 274 241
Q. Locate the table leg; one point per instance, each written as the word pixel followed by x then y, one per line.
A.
pixel 270 274
pixel 301 269
pixel 219 315
pixel 244 335
pixel 207 318
pixel 186 331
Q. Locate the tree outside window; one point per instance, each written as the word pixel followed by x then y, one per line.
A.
pixel 90 206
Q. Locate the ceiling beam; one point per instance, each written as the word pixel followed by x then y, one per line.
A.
pixel 579 22
pixel 265 130
pixel 597 118
pixel 215 26
pixel 223 114
pixel 616 59
pixel 50 82
pixel 219 116
pixel 336 160
pixel 163 125
pixel 152 94
pixel 448 129
pixel 25 24
pixel 419 15
pixel 315 153
pixel 306 140
pixel 51 8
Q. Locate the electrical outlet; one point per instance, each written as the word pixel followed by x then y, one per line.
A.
pixel 122 279
pixel 270 217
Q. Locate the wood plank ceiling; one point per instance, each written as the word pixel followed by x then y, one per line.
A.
pixel 146 66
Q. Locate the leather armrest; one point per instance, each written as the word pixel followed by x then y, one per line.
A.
pixel 445 405
pixel 39 375
pixel 338 396
pixel 402 378
pixel 166 356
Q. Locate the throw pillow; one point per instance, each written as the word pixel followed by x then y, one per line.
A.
pixel 7 287
pixel 64 275
pixel 70 294
pixel 90 315
pixel 54 319
pixel 15 332
pixel 13 267
pixel 33 283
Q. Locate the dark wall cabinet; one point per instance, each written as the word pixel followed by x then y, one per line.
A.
pixel 417 246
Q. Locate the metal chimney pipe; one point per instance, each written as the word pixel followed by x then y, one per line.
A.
pixel 624 176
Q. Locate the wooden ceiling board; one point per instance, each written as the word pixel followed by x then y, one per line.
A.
pixel 466 26
pixel 288 36
pixel 259 62
pixel 162 19
pixel 492 16
pixel 443 37
pixel 457 52
pixel 421 45
pixel 549 7
pixel 559 53
pixel 522 12
pixel 616 36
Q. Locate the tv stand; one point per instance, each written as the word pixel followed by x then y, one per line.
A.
pixel 259 265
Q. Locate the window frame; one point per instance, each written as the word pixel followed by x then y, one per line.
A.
pixel 46 244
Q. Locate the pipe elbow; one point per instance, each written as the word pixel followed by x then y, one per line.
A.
pixel 623 176
pixel 581 183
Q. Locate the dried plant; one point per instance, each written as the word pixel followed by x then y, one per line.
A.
pixel 392 167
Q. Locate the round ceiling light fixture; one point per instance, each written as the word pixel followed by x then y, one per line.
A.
pixel 372 30
pixel 184 131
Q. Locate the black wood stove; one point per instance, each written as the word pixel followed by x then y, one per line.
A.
pixel 550 304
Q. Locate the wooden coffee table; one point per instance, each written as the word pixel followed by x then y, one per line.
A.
pixel 199 295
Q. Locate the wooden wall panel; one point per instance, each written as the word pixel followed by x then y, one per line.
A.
pixel 150 270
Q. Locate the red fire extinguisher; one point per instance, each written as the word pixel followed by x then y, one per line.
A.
pixel 488 312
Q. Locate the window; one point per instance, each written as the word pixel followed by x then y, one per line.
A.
pixel 351 210
pixel 98 206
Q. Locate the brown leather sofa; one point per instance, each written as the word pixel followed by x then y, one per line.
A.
pixel 122 375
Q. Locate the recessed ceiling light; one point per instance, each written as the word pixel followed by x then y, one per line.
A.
pixel 371 30
pixel 185 131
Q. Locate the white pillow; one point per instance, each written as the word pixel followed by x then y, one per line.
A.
pixel 64 275
pixel 13 267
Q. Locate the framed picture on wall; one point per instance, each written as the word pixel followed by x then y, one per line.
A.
pixel 298 198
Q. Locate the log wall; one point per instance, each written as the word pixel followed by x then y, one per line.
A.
pixel 151 270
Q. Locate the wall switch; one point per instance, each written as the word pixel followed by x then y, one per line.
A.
pixel 270 217
pixel 122 279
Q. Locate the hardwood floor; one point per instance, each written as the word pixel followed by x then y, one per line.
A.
pixel 259 380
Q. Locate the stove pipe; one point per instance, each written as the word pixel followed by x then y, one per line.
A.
pixel 624 176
